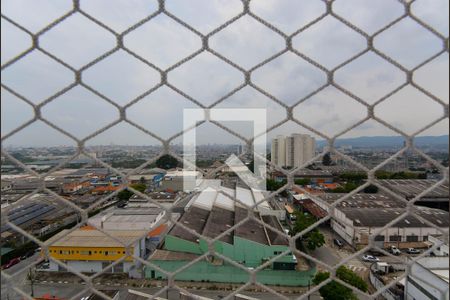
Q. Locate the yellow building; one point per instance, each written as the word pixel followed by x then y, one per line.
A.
pixel 90 250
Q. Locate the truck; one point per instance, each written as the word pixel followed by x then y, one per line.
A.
pixel 394 250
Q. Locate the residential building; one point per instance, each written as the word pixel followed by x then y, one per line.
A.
pixel 278 151
pixel 293 151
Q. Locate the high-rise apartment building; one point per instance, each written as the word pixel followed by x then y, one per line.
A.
pixel 292 151
pixel 278 151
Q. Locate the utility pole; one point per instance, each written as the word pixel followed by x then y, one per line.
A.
pixel 309 287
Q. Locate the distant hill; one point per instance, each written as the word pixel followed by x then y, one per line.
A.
pixel 389 141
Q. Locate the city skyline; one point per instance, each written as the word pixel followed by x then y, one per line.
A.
pixel 319 141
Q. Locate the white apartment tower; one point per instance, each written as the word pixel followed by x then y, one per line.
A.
pixel 278 151
pixel 292 151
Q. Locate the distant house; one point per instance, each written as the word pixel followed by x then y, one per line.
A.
pixel 74 186
pixel 104 189
pixel 6 185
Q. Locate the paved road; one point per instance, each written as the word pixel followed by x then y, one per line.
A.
pixel 66 291
pixel 19 273
pixel 331 254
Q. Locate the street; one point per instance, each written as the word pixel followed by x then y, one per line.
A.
pixel 19 279
pixel 66 290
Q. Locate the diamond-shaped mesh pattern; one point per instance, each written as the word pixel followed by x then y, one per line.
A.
pixel 246 14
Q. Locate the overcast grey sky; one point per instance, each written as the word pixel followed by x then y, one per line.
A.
pixel 163 42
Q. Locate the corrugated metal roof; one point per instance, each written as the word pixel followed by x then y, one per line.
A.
pixel 95 238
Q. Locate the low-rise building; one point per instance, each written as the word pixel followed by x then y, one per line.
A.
pixel 210 214
pixel 75 185
pixel 105 189
pixel 180 180
pixel 6 185
pixel 441 248
pixel 428 279
pixel 411 188
pixel 90 250
pixel 362 215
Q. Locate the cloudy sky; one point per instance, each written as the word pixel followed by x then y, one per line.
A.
pixel 163 42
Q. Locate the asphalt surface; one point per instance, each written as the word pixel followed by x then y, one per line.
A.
pixel 67 290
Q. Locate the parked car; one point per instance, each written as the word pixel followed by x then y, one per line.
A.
pixel 44 265
pixel 375 252
pixel 11 263
pixel 370 258
pixel 26 255
pixel 338 243
pixel 394 250
pixel 413 251
pixel 38 250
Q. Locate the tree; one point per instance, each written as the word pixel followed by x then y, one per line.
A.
pixel 333 290
pixel 336 291
pixel 139 187
pixel 302 181
pixel 353 176
pixel 31 276
pixel 312 239
pixel 346 188
pixel 273 185
pixel 371 189
pixel 320 277
pixel 381 174
pixel 126 194
pixel 326 159
pixel 166 162
pixel 351 278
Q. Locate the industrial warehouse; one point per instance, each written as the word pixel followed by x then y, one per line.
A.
pixel 361 215
pixel 250 245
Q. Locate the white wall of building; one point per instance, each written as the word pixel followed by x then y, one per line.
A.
pixel 442 250
pixel 424 283
pixel 304 149
pixel 91 266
